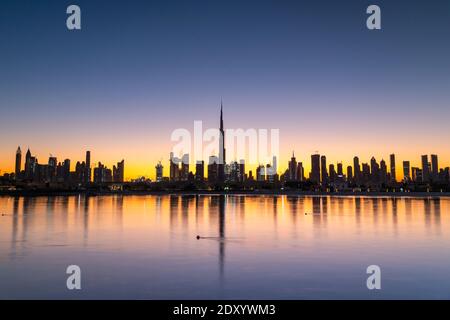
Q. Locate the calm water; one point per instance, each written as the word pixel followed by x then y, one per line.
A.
pixel 257 247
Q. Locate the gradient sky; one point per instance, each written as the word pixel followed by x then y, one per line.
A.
pixel 140 69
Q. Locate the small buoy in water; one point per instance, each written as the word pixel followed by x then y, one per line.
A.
pixel 198 237
pixel 306 213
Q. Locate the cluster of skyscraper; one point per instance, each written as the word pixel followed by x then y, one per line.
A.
pixel 374 175
pixel 218 170
pixel 57 172
pixel 371 175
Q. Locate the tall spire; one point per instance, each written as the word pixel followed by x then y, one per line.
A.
pixel 18 163
pixel 221 115
pixel 222 157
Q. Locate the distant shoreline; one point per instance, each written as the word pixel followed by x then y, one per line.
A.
pixel 39 193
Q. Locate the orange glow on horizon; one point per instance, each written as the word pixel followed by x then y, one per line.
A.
pixel 137 166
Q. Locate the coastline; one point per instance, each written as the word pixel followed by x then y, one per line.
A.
pixel 43 193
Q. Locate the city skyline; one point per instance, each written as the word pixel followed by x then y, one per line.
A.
pixel 147 170
pixel 342 91
pixel 321 172
pixel 214 175
pixel 314 166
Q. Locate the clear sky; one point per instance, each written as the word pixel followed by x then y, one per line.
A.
pixel 140 69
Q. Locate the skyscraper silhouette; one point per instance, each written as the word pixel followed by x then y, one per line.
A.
pixel 184 173
pixel 392 164
pixel 340 170
pixel 88 167
pixel 349 173
pixel 425 169
pixel 406 171
pixel 357 169
pixel 18 162
pixel 332 173
pixel 119 171
pixel 300 176
pixel 222 156
pixel 212 169
pixel 323 168
pixel 174 168
pixel 315 168
pixel 374 170
pixel 28 165
pixel 434 167
pixel 159 172
pixel 293 168
pixel 383 171
pixel 200 170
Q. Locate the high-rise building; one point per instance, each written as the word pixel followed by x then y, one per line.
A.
pixel 31 167
pixel 383 171
pixel 349 173
pixel 66 170
pixel 445 177
pixel 260 173
pixel 365 173
pixel 213 166
pixel 87 175
pixel 28 165
pixel 222 155
pixel 417 174
pixel 232 171
pixel 159 172
pixel 340 171
pixel 273 167
pixel 292 167
pixel 80 172
pixel 425 169
pixel 406 171
pixel 357 169
pixel 51 171
pixel 250 175
pixel 200 170
pixel 323 168
pixel 374 171
pixel 392 165
pixel 315 168
pixel 242 170
pixel 332 173
pixel 118 172
pixel 434 167
pixel 101 174
pixel 174 168
pixel 300 175
pixel 18 163
pixel 184 175
pixel 269 173
pixel 59 172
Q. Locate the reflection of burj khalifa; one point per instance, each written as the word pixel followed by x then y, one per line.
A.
pixel 221 174
pixel 221 235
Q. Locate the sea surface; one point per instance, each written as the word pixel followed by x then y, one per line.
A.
pixel 250 247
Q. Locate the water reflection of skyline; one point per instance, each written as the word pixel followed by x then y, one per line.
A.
pixel 273 239
pixel 56 214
